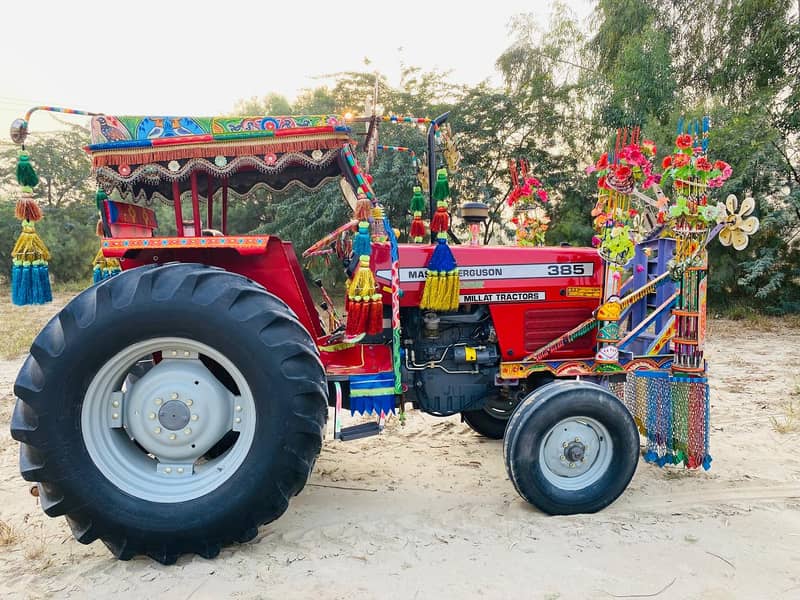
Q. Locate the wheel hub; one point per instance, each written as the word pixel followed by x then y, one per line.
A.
pixel 174 415
pixel 575 452
pixel 178 411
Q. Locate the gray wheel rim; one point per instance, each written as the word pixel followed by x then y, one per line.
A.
pixel 575 453
pixel 148 435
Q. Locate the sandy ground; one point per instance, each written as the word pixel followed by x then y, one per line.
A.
pixel 433 515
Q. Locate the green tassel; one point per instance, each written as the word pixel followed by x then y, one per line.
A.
pixel 441 191
pixel 26 176
pixel 99 197
pixel 417 200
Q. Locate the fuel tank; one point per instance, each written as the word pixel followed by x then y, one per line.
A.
pixel 534 294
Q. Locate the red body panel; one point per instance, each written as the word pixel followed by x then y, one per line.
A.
pixel 273 264
pixel 534 294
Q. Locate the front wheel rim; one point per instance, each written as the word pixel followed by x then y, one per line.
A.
pixel 149 435
pixel 575 453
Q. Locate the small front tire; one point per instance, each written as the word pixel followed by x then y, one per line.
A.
pixel 571 447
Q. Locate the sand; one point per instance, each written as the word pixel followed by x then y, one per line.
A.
pixel 426 511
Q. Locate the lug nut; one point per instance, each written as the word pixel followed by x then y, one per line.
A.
pixel 189 402
pixel 195 417
pixel 238 408
pixel 173 396
pixel 563 458
pixel 578 440
pixel 180 469
pixel 564 445
pixel 187 431
pixel 158 401
pixel 238 420
pixel 115 416
pixel 174 353
pixel 151 416
pixel 157 430
pixel 168 470
pixel 115 404
pixel 186 353
pixel 572 465
pixel 172 436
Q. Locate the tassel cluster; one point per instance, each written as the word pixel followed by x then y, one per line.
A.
pixel 364 305
pixel 30 275
pixel 417 232
pixel 102 267
pixel 442 283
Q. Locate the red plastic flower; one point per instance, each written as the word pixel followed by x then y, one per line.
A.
pixel 542 193
pixel 684 141
pixel 601 183
pixel 535 182
pixel 702 164
pixel 680 160
pixel 649 146
pixel 602 162
pixel 622 172
pixel 666 163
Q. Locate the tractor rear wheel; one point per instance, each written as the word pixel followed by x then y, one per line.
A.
pixel 169 410
pixel 571 447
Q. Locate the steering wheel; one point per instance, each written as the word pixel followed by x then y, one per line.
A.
pixel 321 246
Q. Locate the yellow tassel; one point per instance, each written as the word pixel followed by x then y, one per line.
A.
pixel 454 289
pixel 363 283
pixel 426 292
pixel 29 246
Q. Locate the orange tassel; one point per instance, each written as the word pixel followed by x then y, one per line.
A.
pixel 356 317
pixel 363 208
pixel 27 209
pixel 417 228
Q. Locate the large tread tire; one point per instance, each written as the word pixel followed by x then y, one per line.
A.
pixel 226 311
pixel 538 414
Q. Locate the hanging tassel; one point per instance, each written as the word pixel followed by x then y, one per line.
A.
pixel 442 283
pixel 30 277
pixel 362 245
pixel 360 293
pixel 102 267
pixel 363 207
pixel 375 317
pixel 26 175
pixel 441 220
pixel 441 189
pixel 27 209
pixel 417 232
pixel 378 232
pixel 417 200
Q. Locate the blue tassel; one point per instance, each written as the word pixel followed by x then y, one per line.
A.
pixel 47 292
pixel 97 275
pixel 36 286
pixel 26 284
pixel 651 456
pixel 707 462
pixel 16 283
pixel 362 245
pixel 442 258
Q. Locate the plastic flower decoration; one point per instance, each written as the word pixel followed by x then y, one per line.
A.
pixel 737 225
pixel 531 227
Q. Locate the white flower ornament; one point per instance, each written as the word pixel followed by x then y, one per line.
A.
pixel 738 225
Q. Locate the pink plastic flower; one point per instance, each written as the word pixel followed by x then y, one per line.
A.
pixel 542 193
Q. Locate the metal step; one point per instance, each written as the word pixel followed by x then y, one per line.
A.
pixel 356 432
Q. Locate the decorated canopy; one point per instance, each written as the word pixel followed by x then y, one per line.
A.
pixel 148 155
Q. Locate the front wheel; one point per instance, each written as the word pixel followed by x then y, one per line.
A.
pixel 170 410
pixel 571 447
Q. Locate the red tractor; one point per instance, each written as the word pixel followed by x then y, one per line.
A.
pixel 178 405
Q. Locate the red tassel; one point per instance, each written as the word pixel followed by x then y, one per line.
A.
pixel 27 209
pixel 417 227
pixel 355 318
pixel 440 221
pixel 363 208
pixel 375 318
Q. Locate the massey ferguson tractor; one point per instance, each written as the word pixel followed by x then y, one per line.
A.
pixel 179 404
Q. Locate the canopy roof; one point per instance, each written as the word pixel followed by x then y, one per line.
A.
pixel 147 155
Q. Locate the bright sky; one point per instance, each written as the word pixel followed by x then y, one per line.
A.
pixel 168 57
